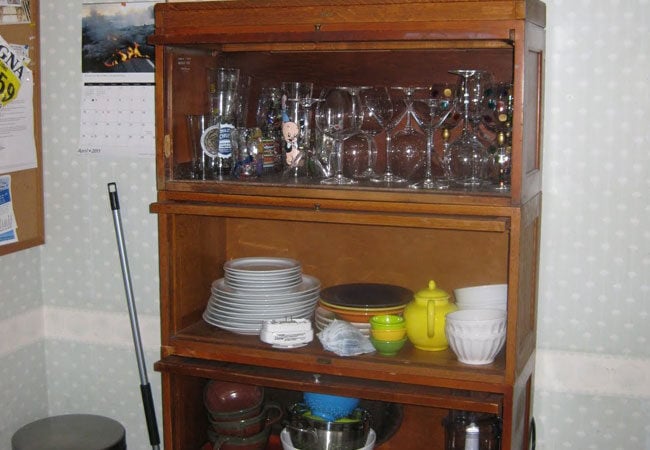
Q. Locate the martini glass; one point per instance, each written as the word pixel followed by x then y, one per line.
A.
pixel 440 106
pixel 339 116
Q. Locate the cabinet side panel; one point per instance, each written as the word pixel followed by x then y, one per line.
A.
pixel 186 85
pixel 528 276
pixel 197 256
pixel 522 407
pixel 532 117
pixel 185 424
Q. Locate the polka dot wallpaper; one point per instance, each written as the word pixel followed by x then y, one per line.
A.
pixel 65 343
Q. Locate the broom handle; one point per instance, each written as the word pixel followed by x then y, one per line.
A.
pixel 145 388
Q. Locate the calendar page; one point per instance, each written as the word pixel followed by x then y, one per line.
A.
pixel 117 110
pixel 117 119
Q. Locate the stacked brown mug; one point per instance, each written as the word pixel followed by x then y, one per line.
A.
pixel 238 415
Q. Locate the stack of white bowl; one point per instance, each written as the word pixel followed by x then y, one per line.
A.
pixel 487 296
pixel 476 335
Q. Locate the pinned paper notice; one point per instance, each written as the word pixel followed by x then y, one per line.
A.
pixel 12 70
pixel 17 144
pixel 7 219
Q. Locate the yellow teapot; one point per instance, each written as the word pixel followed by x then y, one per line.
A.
pixel 425 318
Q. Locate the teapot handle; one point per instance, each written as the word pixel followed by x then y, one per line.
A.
pixel 431 318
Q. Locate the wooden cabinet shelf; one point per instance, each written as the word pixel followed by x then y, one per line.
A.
pixel 434 369
pixel 347 234
pixel 296 380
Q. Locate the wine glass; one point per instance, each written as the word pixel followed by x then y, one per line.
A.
pixel 356 154
pixel 497 119
pixel 408 145
pixel 468 154
pixel 440 105
pixel 377 112
pixel 498 108
pixel 339 116
pixel 502 163
pixel 314 164
pixel 398 113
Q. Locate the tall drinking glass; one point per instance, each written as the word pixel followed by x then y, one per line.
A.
pixel 296 126
pixel 269 120
pixel 223 91
pixel 204 133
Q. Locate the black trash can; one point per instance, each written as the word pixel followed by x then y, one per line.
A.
pixel 71 432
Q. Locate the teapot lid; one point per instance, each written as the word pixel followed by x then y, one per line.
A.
pixel 432 292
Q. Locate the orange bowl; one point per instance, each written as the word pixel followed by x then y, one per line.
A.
pixel 359 315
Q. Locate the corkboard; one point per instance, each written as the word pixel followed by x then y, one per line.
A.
pixel 27 185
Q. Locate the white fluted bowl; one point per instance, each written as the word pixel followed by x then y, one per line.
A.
pixel 476 336
pixel 476 350
pixel 476 322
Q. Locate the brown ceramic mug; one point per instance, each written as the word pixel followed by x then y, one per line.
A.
pixel 226 401
pixel 271 414
pixel 255 442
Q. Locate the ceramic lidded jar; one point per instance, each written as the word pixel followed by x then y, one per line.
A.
pixel 425 318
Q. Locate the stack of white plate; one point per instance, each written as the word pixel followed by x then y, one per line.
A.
pixel 257 289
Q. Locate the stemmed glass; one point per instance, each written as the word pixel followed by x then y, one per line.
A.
pixel 398 112
pixel 339 116
pixel 409 144
pixel 377 112
pixel 502 163
pixel 468 154
pixel 440 105
pixel 498 108
pixel 357 166
pixel 498 119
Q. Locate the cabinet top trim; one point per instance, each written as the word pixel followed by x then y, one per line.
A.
pixel 244 16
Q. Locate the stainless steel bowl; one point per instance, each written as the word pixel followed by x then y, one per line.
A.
pixel 310 432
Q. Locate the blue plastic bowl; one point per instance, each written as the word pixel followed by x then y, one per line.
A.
pixel 330 407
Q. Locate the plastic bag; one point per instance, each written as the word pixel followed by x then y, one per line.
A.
pixel 344 339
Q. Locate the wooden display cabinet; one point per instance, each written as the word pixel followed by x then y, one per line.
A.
pixel 347 234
